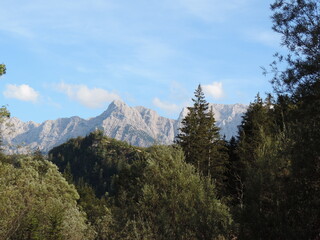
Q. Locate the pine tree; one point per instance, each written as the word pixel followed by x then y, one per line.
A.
pixel 261 173
pixel 200 140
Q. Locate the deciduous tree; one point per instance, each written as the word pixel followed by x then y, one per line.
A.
pixel 36 202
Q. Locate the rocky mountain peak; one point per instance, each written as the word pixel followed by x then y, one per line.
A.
pixel 137 125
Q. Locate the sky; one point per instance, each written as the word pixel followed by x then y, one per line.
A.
pixel 72 58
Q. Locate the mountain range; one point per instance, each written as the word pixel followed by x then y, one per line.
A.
pixel 138 126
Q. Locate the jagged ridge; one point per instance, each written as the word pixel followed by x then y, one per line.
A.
pixel 138 126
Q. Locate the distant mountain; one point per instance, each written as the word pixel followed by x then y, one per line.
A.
pixel 228 117
pixel 139 126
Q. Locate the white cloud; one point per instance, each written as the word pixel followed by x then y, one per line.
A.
pixel 21 92
pixel 169 107
pixel 266 37
pixel 214 90
pixel 269 38
pixel 89 97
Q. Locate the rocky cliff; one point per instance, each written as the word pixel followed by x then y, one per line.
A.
pixel 137 125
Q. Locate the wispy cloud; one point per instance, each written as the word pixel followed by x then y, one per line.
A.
pixel 133 70
pixel 214 90
pixel 211 10
pixel 48 22
pixel 21 92
pixel 89 97
pixel 266 37
pixel 151 50
pixel 178 91
pixel 169 107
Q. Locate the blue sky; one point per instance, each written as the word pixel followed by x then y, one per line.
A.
pixel 72 58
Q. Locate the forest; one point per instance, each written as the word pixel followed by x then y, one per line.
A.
pixel 263 183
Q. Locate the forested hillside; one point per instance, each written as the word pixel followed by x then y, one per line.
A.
pixel 263 184
pixel 142 193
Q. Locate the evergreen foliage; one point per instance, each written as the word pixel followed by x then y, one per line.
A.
pixel 153 195
pixel 261 173
pixel 179 203
pixel 173 201
pixel 2 69
pixel 108 189
pixel 273 172
pixel 299 24
pixel 200 140
pixel 94 160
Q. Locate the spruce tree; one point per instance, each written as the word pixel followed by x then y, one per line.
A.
pixel 200 140
pixel 260 173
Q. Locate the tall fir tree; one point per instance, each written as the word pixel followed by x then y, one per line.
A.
pixel 200 140
pixel 260 173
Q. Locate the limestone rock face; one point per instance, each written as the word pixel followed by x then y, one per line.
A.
pixel 138 126
pixel 228 117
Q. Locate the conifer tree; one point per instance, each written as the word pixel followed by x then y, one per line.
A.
pixel 299 82
pixel 200 140
pixel 259 171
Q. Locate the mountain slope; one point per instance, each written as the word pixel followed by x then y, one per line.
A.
pixel 136 125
